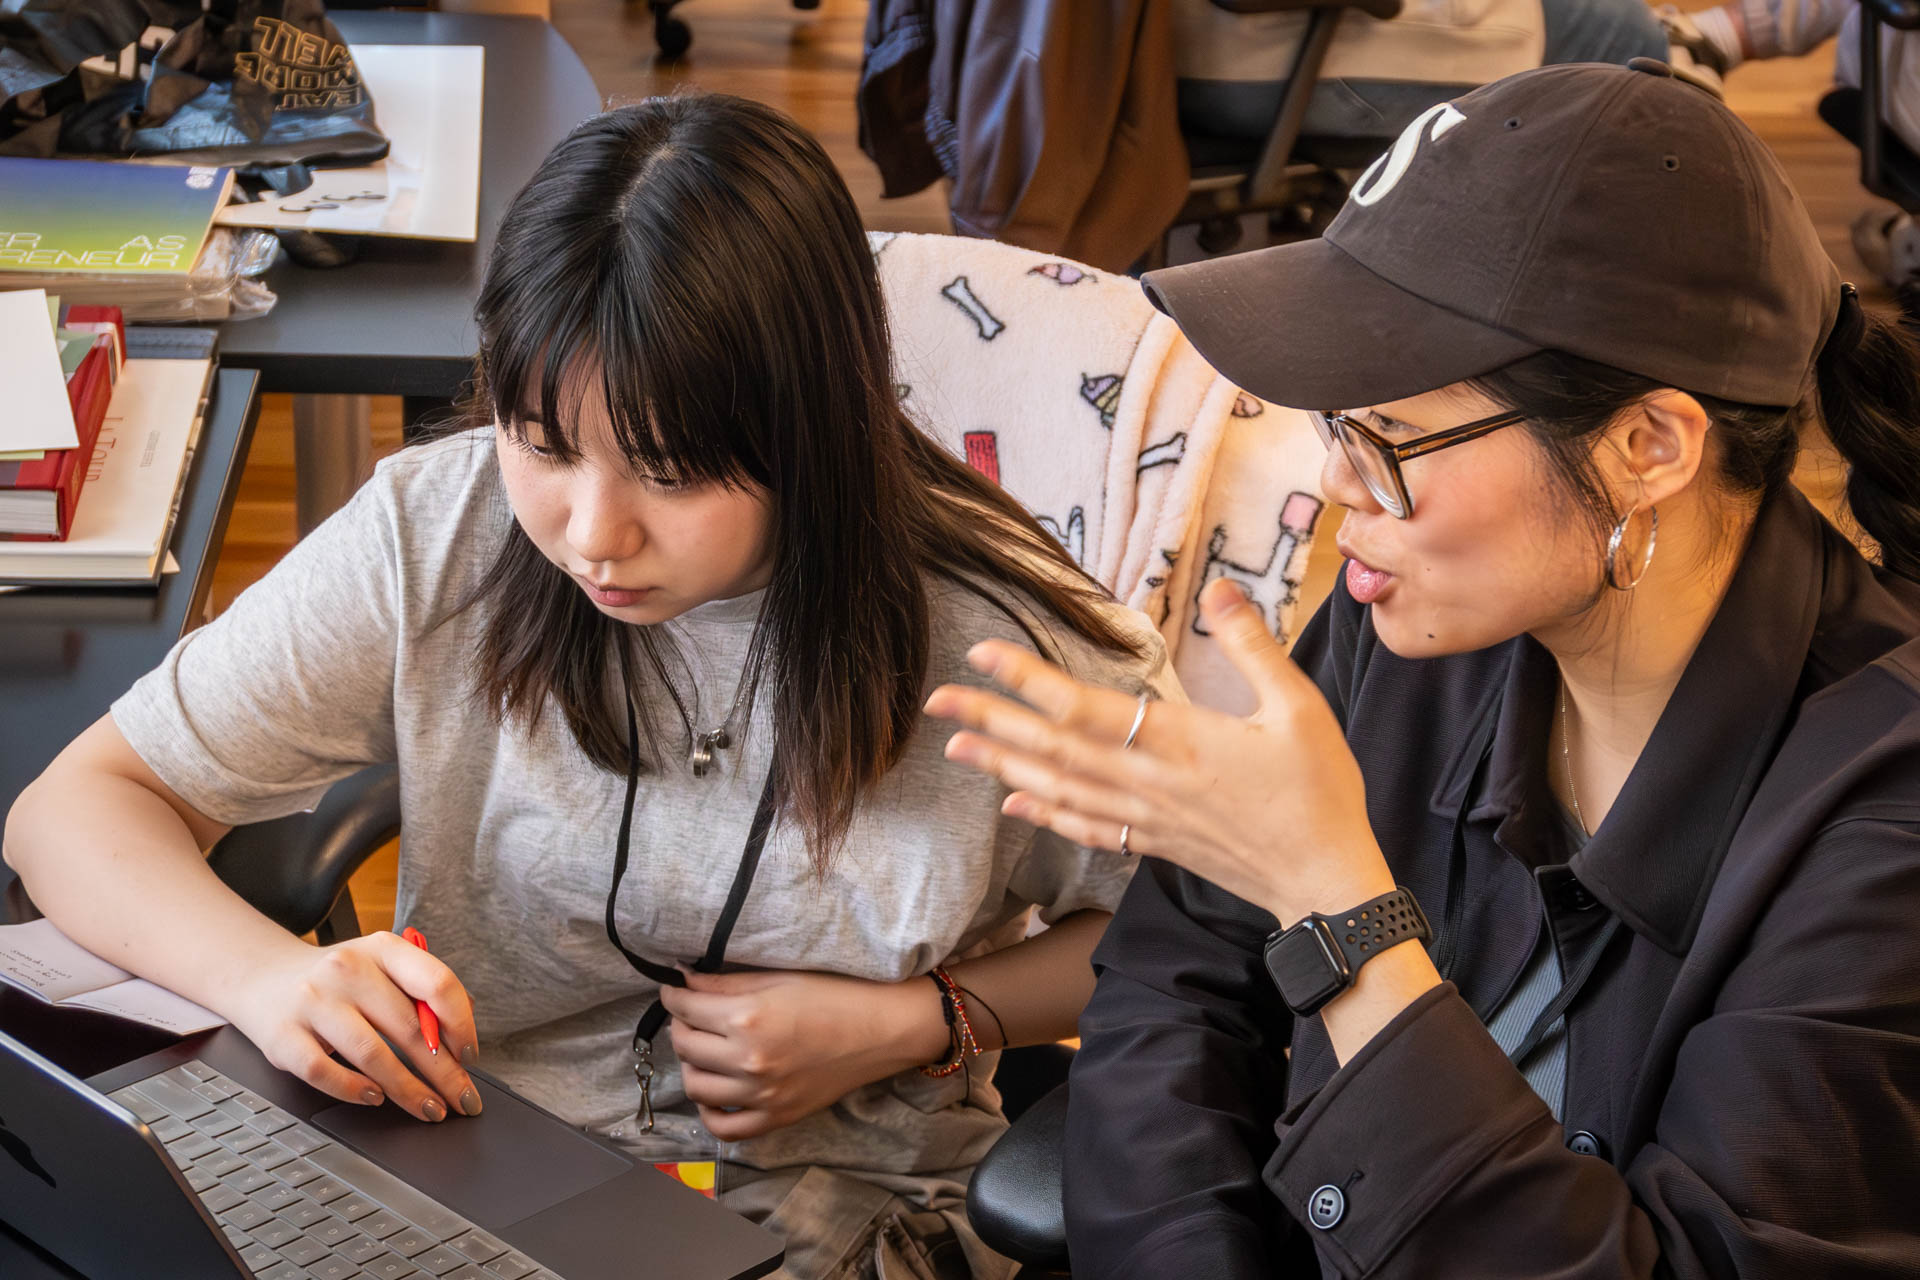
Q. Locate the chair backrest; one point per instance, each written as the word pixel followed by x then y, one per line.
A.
pixel 1064 385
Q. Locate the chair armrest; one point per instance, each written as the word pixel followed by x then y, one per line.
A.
pixel 1382 9
pixel 1904 14
pixel 1014 1200
pixel 294 869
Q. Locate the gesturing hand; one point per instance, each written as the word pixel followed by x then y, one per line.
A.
pixel 351 999
pixel 771 1047
pixel 1271 807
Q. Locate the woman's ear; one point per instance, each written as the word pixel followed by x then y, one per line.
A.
pixel 1660 444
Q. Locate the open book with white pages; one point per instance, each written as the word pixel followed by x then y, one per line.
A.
pixel 49 966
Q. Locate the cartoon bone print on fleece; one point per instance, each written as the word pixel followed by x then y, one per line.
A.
pixel 961 295
pixel 1073 537
pixel 1277 581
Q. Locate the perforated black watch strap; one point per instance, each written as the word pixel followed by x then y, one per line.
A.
pixel 1320 957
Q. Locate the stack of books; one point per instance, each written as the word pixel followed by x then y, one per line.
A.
pixel 104 233
pixel 96 440
pixel 62 363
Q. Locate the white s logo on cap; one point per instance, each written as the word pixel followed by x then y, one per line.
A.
pixel 1385 173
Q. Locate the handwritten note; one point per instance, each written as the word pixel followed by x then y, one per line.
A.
pixel 48 965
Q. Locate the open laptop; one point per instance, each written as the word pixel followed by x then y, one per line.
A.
pixel 204 1162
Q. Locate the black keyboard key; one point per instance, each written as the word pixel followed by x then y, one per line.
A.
pixel 271 1157
pixel 511 1266
pixel 332 1269
pixel 411 1241
pixel 219 1199
pixel 283 1271
pixel 332 1233
pixel 391 1267
pixel 171 1128
pixel 477 1246
pixel 352 1206
pixel 273 1121
pixel 200 1071
pixel 258 1257
pixel 247 1179
pixel 380 1224
pixel 142 1106
pixel 304 1214
pixel 220 1162
pixel 297 1174
pixel 298 1139
pixel 200 1180
pixel 242 1141
pixel 246 1216
pixel 276 1197
pixel 302 1251
pixel 192 1148
pixel 277 1233
pixel 360 1250
pixel 325 1190
pixel 213 1124
pixel 177 1099
pixel 439 1260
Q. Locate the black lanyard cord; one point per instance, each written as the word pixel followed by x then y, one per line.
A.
pixel 667 976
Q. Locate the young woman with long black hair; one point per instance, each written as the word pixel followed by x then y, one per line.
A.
pixel 679 598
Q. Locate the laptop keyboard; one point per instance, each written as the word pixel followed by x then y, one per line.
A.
pixel 298 1205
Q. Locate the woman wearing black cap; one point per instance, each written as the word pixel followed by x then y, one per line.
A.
pixel 1601 697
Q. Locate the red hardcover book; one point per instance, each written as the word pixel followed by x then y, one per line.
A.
pixel 64 471
pixel 78 316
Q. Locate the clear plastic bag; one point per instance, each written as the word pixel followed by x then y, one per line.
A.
pixel 224 284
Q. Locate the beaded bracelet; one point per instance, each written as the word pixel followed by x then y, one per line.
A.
pixel 959 1030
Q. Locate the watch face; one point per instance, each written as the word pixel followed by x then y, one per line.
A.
pixel 1307 966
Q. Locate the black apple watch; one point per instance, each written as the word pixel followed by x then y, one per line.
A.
pixel 1320 957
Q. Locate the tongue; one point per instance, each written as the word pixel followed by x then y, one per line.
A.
pixel 1365 584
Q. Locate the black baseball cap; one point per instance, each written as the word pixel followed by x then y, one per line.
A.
pixel 1614 213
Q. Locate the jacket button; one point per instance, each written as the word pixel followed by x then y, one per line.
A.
pixel 1586 1144
pixel 1326 1207
pixel 1577 897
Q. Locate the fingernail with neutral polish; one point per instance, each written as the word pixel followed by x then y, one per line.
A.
pixel 470 1101
pixel 432 1110
pixel 470 1056
pixel 372 1097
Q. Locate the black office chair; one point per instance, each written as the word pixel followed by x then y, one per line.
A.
pixel 1302 179
pixel 1888 167
pixel 295 869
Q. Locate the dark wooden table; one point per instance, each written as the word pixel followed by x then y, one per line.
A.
pixel 65 655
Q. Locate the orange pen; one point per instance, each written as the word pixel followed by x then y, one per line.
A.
pixel 429 1024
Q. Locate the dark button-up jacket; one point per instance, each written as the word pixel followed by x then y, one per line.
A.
pixel 1743 1067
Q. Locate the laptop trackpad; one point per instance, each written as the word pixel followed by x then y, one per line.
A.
pixel 507 1163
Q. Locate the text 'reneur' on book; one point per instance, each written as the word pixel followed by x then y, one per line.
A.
pixel 102 217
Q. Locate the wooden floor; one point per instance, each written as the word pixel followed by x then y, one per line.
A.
pixel 808 64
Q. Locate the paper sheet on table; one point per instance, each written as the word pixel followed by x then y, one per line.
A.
pixel 38 414
pixel 48 965
pixel 428 99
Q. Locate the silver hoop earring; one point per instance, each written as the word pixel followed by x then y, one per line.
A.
pixel 1613 548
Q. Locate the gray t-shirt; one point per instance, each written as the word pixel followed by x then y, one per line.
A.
pixel 329 664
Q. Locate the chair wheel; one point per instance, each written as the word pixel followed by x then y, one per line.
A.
pixel 672 35
pixel 1218 235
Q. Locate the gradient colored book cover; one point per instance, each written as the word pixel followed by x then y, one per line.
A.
pixel 100 217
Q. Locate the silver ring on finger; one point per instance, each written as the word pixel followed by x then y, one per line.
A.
pixel 1126 832
pixel 1139 718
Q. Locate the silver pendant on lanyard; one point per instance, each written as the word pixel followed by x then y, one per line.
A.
pixel 643 1076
